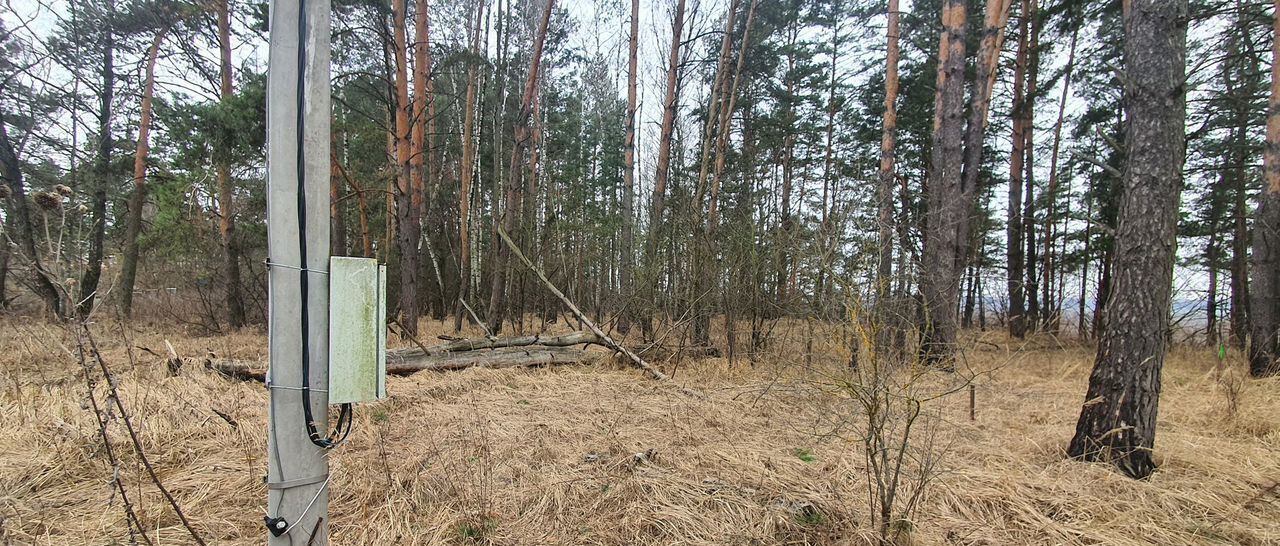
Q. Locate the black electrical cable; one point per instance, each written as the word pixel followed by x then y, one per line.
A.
pixel 343 426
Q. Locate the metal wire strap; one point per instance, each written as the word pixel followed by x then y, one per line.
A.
pixel 271 264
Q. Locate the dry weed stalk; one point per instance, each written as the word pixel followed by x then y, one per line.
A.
pixel 86 344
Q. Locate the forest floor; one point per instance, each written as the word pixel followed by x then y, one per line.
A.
pixel 771 455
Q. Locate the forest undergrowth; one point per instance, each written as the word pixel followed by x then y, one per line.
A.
pixel 599 454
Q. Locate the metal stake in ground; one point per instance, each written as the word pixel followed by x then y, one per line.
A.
pixel 298 248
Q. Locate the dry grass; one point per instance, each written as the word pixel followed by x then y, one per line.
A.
pixel 549 456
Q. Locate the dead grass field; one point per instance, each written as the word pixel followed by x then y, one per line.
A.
pixel 547 456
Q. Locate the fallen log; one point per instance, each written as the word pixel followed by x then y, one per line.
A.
pixel 405 362
pixel 499 358
pixel 457 345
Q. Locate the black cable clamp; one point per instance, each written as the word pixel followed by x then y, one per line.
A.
pixel 277 526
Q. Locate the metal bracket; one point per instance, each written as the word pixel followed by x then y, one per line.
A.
pixel 299 482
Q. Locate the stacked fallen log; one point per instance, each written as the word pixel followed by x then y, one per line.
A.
pixel 509 357
pixel 509 352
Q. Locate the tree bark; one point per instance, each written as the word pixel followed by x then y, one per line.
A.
pixel 5 253
pixel 407 218
pixel 946 230
pixel 19 219
pixel 1264 346
pixel 511 210
pixel 1240 235
pixel 885 311
pixel 138 199
pixel 662 171
pixel 698 308
pixel 1013 227
pixel 226 188
pixel 629 174
pixel 1028 196
pixel 1118 420
pixel 89 280
pixel 419 149
pixel 1052 309
pixel 467 173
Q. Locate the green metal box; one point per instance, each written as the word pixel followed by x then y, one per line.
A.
pixel 357 330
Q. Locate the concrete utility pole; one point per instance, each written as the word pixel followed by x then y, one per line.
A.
pixel 298 189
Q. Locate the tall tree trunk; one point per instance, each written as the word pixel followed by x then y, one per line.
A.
pixel 102 176
pixel 366 240
pixel 822 292
pixel 1029 195
pixel 698 296
pixel 226 188
pixel 1264 347
pixel 408 228
pixel 886 313
pixel 1082 328
pixel 787 224
pixel 5 253
pixel 18 217
pixel 629 174
pixel 467 173
pixel 662 172
pixel 707 260
pixel 1118 421
pixel 511 210
pixel 138 199
pixel 421 97
pixel 337 222
pixel 1050 235
pixel 1014 249
pixel 1211 299
pixel 1239 238
pixel 946 231
pixel 419 150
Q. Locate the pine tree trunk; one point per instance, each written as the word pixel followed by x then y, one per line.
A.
pixel 1014 249
pixel 18 216
pixel 5 253
pixel 337 221
pixel 226 188
pixel 138 199
pixel 1118 420
pixel 1052 309
pixel 513 206
pixel 946 232
pixel 1239 243
pixel 662 172
pixel 102 175
pixel 1082 327
pixel 1211 300
pixel 1028 195
pixel 629 174
pixel 699 309
pixel 467 173
pixel 408 228
pixel 1264 347
pixel 886 314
